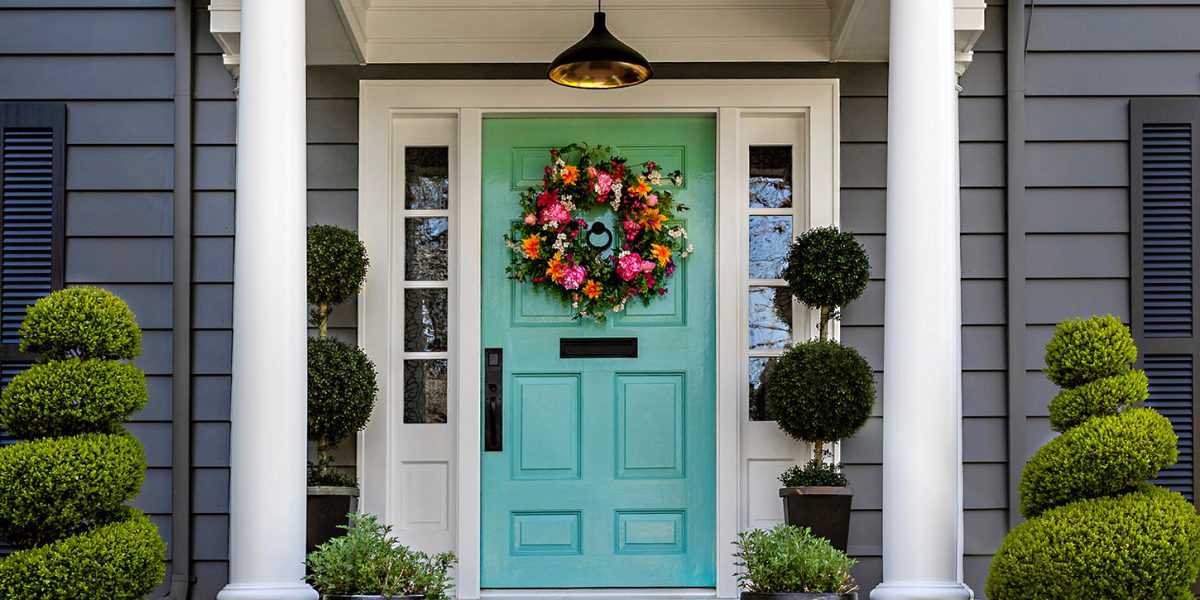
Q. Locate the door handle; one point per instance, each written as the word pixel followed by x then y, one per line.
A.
pixel 493 400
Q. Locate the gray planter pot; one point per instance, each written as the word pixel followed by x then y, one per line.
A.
pixel 823 509
pixel 369 597
pixel 327 508
pixel 799 596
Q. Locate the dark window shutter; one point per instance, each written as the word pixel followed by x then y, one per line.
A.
pixel 32 182
pixel 1164 183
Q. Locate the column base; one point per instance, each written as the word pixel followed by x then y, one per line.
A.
pixel 922 591
pixel 267 591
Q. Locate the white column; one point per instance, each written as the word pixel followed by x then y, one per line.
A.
pixel 268 441
pixel 922 464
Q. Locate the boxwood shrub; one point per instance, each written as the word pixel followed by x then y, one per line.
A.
pixel 827 268
pixel 337 264
pixel 52 487
pixel 1144 544
pixel 821 391
pixel 1103 456
pixel 83 322
pixel 122 560
pixel 1084 350
pixel 1104 396
pixel 69 397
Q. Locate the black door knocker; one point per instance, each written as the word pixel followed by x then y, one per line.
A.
pixel 599 228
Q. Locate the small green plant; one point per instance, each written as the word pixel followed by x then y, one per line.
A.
pixel 821 391
pixel 790 559
pixel 1095 528
pixel 826 270
pixel 341 378
pixel 64 492
pixel 814 473
pixel 367 560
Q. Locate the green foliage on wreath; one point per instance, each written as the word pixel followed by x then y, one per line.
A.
pixel 81 322
pixel 550 241
pixel 69 397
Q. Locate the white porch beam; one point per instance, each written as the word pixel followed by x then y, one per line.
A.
pixel 267 493
pixel 922 439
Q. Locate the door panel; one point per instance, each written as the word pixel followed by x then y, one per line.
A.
pixel 607 473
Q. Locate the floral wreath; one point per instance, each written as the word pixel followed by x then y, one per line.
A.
pixel 556 248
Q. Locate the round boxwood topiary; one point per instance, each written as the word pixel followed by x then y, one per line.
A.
pixel 81 322
pixel 1084 350
pixel 69 397
pixel 53 487
pixel 1104 396
pixel 1144 544
pixel 820 391
pixel 341 392
pixel 121 560
pixel 1103 456
pixel 827 268
pixel 337 264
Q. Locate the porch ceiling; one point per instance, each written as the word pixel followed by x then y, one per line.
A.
pixel 519 31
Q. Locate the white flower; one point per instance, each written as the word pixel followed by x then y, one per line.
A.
pixel 616 189
pixel 678 232
pixel 619 307
pixel 678 180
pixel 560 163
pixel 616 204
pixel 691 249
pixel 656 177
pixel 623 254
pixel 574 305
pixel 511 244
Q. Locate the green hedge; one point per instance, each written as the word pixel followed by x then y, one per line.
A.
pixel 337 264
pixel 118 561
pixel 83 322
pixel 53 487
pixel 63 398
pixel 341 389
pixel 1084 350
pixel 1104 396
pixel 820 391
pixel 1105 455
pixel 1142 545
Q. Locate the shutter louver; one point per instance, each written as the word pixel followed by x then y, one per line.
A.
pixel 27 217
pixel 1164 181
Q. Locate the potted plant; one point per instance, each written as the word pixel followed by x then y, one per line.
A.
pixel 821 391
pixel 1095 528
pixel 367 563
pixel 790 563
pixel 341 379
pixel 64 491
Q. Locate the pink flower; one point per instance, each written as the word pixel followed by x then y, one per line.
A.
pixel 629 266
pixel 530 219
pixel 647 266
pixel 632 229
pixel 603 184
pixel 573 276
pixel 556 213
pixel 651 200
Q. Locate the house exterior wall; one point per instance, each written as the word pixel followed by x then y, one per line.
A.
pixel 112 63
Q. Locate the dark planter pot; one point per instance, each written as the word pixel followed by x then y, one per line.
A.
pixel 327 508
pixel 824 510
pixel 799 596
pixel 369 597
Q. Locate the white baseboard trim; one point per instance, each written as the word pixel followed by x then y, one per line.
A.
pixel 601 594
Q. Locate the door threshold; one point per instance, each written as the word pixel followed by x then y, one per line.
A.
pixel 599 594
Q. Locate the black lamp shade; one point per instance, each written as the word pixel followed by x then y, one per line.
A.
pixel 600 61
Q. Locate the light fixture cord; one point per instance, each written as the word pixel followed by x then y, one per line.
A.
pixel 599 6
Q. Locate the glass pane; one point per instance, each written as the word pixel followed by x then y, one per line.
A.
pixel 770 176
pixel 425 384
pixel 426 245
pixel 770 238
pixel 425 326
pixel 758 391
pixel 770 318
pixel 426 177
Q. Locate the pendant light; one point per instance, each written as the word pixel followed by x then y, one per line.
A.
pixel 599 61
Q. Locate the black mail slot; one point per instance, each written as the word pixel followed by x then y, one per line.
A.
pixel 598 347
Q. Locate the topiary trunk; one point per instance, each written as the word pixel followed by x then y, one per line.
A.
pixel 1095 528
pixel 63 492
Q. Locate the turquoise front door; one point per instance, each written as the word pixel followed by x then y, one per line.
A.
pixel 606 476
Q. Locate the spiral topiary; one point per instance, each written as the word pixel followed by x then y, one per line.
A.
pixel 1095 528
pixel 63 493
pixel 820 391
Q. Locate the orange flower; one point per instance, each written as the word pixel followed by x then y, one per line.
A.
pixel 642 188
pixel 532 246
pixel 555 270
pixel 570 174
pixel 592 289
pixel 653 219
pixel 662 254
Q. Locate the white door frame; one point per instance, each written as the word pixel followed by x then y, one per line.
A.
pixel 385 106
